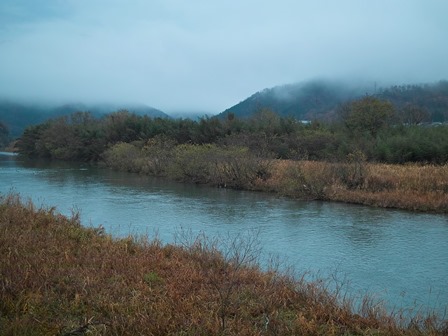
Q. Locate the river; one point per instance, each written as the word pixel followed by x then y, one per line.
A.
pixel 399 257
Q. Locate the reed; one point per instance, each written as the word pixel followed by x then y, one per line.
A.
pixel 59 278
pixel 414 187
pixel 411 187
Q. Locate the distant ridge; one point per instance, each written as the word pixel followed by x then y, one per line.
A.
pixel 102 109
pixel 319 99
pixel 308 100
pixel 17 116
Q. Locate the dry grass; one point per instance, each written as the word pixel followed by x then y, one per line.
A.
pixel 58 278
pixel 410 187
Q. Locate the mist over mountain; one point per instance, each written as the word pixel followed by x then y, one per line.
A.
pixel 311 100
pixel 320 99
pixel 306 100
pixel 17 116
pixel 431 98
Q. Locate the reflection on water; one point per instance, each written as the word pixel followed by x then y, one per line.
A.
pixel 401 256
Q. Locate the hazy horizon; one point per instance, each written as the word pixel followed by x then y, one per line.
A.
pixel 207 56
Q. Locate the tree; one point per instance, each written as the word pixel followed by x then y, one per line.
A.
pixel 367 114
pixel 29 144
pixel 266 121
pixel 413 114
pixel 4 135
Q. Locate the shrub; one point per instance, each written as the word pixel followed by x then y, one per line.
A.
pixel 122 156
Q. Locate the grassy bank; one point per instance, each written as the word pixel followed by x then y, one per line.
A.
pixel 414 187
pixel 410 187
pixel 58 278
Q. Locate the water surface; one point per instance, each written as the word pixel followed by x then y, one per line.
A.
pixel 400 257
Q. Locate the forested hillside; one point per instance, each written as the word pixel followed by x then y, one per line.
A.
pixel 304 101
pixel 427 102
pixel 318 100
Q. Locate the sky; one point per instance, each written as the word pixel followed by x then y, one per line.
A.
pixel 208 55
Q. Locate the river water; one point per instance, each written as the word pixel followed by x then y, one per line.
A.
pixel 399 257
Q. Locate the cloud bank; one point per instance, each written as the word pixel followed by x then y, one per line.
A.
pixel 208 55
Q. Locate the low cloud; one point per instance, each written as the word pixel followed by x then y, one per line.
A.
pixel 201 55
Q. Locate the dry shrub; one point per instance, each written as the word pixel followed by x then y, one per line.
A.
pixel 411 187
pixel 301 179
pixel 413 177
pixel 58 278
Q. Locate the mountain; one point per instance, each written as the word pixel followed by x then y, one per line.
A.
pixel 309 100
pixel 431 98
pixel 320 99
pixel 138 109
pixel 17 116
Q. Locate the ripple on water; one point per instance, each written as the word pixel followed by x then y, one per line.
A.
pixel 399 256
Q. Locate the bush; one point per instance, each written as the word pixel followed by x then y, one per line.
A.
pixel 122 156
pixel 232 167
pixel 192 163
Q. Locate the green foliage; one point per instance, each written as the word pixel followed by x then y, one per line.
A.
pixel 4 135
pixel 413 144
pixel 29 144
pixel 369 126
pixel 122 156
pixel 193 163
pixel 367 114
pixel 152 278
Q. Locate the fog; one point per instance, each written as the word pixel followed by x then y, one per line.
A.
pixel 208 55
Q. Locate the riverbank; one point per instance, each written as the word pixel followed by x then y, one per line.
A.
pixel 265 152
pixel 59 278
pixel 414 187
pixel 409 187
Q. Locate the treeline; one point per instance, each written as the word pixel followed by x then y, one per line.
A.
pixel 368 125
pixel 4 135
pixel 432 99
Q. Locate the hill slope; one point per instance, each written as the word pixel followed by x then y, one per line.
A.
pixel 17 116
pixel 307 100
pixel 320 99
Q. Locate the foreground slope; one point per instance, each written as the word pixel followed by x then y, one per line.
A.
pixel 58 278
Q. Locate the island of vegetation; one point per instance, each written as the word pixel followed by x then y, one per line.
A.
pixel 60 278
pixel 382 150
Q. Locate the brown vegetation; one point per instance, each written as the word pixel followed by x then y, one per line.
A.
pixel 414 187
pixel 58 278
pixel 411 187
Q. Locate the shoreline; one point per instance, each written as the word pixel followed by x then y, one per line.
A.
pixel 59 277
pixel 418 188
pixel 411 187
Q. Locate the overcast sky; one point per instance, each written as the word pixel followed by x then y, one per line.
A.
pixel 208 55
